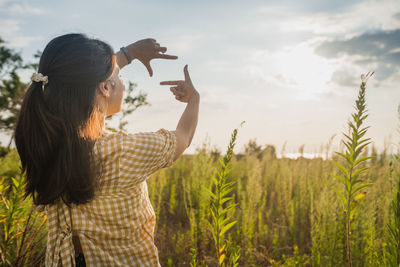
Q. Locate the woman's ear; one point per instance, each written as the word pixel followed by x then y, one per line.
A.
pixel 104 89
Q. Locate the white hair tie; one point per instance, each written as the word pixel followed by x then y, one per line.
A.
pixel 38 77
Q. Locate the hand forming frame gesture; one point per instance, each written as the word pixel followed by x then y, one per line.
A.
pixel 147 49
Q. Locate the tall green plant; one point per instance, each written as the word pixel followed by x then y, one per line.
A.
pixel 354 164
pixel 221 204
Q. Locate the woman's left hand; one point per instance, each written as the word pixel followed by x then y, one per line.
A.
pixel 146 50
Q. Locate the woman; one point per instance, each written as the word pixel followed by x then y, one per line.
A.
pixel 93 182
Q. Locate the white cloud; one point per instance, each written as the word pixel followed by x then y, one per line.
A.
pixel 20 8
pixel 370 14
pixel 10 31
pixel 9 27
pixel 4 2
pixel 22 41
pixel 24 9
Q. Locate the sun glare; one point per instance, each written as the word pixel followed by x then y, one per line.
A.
pixel 297 68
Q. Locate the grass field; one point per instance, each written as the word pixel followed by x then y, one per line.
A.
pixel 288 211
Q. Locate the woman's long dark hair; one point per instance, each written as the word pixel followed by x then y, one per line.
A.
pixel 56 128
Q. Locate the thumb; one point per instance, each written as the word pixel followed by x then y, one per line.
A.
pixel 148 67
pixel 186 72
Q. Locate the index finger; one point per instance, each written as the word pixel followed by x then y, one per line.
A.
pixel 164 56
pixel 172 82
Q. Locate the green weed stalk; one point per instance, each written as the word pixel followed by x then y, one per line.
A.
pixel 221 204
pixel 355 163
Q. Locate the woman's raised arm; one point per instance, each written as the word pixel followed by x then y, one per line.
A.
pixel 184 91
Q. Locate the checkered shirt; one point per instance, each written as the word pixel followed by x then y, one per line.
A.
pixel 116 228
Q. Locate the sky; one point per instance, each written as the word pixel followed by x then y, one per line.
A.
pixel 290 69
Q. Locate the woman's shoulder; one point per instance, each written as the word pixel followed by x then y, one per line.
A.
pixel 121 138
pixel 145 136
pixel 138 153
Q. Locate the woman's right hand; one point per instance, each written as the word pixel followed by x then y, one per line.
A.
pixel 184 91
pixel 147 49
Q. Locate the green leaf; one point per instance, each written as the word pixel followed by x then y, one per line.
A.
pixel 348 146
pixel 359 149
pixel 345 182
pixel 227 227
pixel 227 219
pixel 362 160
pixel 227 171
pixel 365 128
pixel 226 191
pixel 342 155
pixel 353 127
pixel 222 163
pixel 364 117
pixel 214 218
pixel 223 212
pixel 214 206
pixel 227 185
pixel 220 220
pixel 364 140
pixel 221 259
pixel 215 180
pixel 225 199
pixel 344 200
pixel 359 171
pixel 350 160
pixel 15 182
pixel 355 181
pixel 231 206
pixel 348 137
pixel 361 134
pixel 343 169
pixel 211 193
pixel 358 188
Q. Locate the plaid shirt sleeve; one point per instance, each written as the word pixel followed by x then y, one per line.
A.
pixel 145 153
